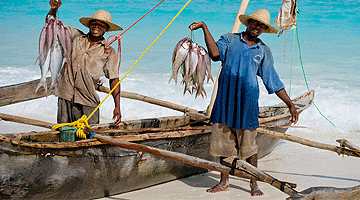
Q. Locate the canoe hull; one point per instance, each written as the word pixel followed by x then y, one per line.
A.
pixel 97 171
pixel 102 170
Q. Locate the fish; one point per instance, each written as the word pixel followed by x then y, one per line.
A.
pixel 55 46
pixel 56 61
pixel 44 68
pixel 195 65
pixel 200 76
pixel 180 53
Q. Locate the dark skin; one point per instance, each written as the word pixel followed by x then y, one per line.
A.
pixel 253 31
pixel 97 29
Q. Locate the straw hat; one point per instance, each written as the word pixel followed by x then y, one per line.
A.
pixel 262 16
pixel 103 16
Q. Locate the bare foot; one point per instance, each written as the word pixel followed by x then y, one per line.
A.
pixel 219 188
pixel 255 191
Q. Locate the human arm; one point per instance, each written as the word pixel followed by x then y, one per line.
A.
pixel 209 40
pixel 286 99
pixel 54 4
pixel 116 96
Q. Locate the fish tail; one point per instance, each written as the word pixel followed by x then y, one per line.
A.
pixel 41 83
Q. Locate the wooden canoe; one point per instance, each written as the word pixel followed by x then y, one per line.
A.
pixel 38 166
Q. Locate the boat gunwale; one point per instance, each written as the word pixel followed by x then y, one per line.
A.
pixel 140 137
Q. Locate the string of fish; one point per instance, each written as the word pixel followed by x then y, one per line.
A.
pixel 194 63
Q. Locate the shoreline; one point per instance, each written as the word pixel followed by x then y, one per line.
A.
pixel 307 167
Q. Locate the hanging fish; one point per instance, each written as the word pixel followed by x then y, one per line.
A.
pixel 195 65
pixel 286 18
pixel 54 46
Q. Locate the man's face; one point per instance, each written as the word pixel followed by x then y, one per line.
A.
pixel 98 28
pixel 256 28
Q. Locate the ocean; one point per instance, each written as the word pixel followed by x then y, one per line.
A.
pixel 328 34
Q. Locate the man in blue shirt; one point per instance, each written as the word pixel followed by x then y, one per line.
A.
pixel 235 114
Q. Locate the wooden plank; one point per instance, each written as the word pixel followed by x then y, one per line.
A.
pixel 24 120
pixel 21 92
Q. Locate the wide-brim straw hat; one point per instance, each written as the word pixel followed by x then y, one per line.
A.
pixel 262 16
pixel 103 16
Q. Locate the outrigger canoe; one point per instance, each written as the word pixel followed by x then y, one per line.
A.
pixel 39 166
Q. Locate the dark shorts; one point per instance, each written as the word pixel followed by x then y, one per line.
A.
pixel 69 111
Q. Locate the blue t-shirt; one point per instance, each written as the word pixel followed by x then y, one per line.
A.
pixel 237 98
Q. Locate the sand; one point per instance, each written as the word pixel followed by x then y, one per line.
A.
pixel 291 162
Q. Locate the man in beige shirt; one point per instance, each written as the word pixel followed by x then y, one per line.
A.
pixel 91 58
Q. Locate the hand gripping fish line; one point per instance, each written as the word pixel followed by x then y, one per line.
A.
pixel 83 121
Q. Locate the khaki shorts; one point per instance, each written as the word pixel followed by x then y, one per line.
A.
pixel 226 141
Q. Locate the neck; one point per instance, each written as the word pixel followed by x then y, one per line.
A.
pixel 251 40
pixel 94 39
pixel 248 37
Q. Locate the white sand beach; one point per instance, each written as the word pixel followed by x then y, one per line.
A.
pixel 291 162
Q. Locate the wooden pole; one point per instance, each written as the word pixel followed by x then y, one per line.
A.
pixel 235 29
pixel 151 100
pixel 198 162
pixel 24 120
pixel 307 142
pixel 26 91
pixel 242 9
pixel 345 143
pixel 21 92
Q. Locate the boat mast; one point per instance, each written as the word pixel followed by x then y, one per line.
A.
pixel 235 29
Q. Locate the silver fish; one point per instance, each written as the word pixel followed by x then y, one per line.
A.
pixel 195 65
pixel 180 53
pixel 200 76
pixel 54 46
pixel 44 68
pixel 56 61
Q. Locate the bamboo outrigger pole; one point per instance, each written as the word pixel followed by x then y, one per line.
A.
pixel 235 29
pixel 339 150
pixel 252 173
pixel 24 120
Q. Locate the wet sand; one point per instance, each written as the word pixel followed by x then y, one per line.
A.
pixel 291 162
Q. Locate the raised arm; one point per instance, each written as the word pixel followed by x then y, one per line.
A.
pixel 209 40
pixel 54 4
pixel 286 99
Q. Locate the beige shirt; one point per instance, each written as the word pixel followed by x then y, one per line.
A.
pixel 77 82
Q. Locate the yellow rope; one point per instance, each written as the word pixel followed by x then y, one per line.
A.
pixel 83 121
pixel 80 124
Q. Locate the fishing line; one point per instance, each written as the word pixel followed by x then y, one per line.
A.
pixel 292 62
pixel 303 71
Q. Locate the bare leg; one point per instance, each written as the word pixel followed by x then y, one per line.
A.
pixel 255 191
pixel 223 185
